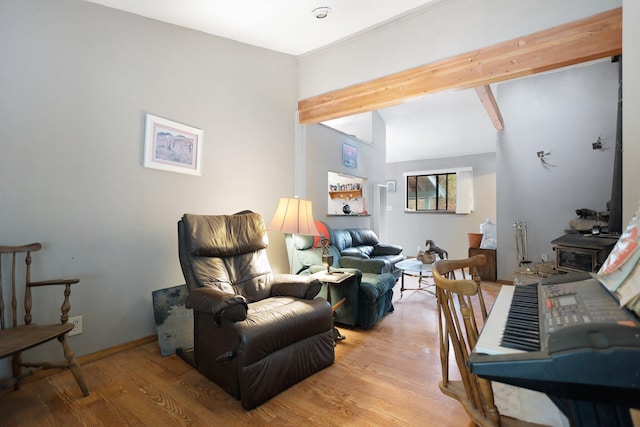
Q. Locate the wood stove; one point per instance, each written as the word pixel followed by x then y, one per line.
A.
pixel 582 252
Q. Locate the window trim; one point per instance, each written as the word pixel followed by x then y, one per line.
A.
pixel 464 189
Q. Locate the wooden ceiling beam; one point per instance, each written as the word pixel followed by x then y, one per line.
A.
pixel 596 37
pixel 489 103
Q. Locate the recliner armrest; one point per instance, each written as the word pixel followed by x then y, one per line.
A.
pixel 386 249
pixel 375 266
pixel 221 304
pixel 292 285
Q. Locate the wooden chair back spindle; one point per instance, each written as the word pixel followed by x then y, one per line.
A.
pixel 461 314
pixel 16 338
pixel 458 318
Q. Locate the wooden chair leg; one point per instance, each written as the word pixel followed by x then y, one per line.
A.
pixel 16 369
pixel 73 365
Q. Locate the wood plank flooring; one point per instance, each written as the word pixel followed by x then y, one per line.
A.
pixel 385 376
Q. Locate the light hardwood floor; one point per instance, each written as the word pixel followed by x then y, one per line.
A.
pixel 385 376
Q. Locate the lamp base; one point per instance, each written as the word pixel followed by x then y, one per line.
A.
pixel 327 261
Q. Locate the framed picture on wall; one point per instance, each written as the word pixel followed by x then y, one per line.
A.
pixel 391 186
pixel 350 156
pixel 172 146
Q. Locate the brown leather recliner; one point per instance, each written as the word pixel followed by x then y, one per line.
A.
pixel 255 333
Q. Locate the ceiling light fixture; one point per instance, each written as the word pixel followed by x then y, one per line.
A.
pixel 321 12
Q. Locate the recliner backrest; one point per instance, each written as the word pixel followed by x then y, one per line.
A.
pixel 227 252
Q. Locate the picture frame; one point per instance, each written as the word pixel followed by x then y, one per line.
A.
pixel 391 186
pixel 172 146
pixel 174 322
pixel 349 156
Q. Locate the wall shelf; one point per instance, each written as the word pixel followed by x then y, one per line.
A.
pixel 345 195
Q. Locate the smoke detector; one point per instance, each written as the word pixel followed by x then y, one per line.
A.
pixel 321 12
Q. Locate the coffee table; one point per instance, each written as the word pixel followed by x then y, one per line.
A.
pixel 415 268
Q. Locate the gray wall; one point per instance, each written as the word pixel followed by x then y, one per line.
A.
pixel 324 153
pixel 75 83
pixel 449 231
pixel 562 113
pixel 631 108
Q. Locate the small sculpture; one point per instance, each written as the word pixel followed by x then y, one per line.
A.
pixel 327 259
pixel 431 247
pixel 587 213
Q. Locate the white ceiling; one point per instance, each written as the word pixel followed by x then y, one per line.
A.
pixel 287 26
pixel 440 125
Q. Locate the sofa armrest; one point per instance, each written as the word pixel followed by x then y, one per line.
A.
pixel 292 285
pixel 386 249
pixel 221 304
pixel 375 266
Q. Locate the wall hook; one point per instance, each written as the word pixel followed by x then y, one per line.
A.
pixel 598 144
pixel 544 158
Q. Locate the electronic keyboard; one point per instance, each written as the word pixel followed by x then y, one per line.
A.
pixel 569 340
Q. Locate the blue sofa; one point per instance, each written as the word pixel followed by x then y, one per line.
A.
pixel 369 293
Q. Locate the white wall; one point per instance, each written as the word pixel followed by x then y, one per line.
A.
pixel 449 231
pixel 76 81
pixel 562 113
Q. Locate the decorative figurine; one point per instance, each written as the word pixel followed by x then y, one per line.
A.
pixel 326 258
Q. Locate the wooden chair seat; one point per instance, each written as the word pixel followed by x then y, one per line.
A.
pixel 16 337
pixel 24 337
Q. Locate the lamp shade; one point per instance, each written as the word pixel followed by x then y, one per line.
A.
pixel 294 216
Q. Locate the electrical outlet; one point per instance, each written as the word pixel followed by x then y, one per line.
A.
pixel 544 258
pixel 77 325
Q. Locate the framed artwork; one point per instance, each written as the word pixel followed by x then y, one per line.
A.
pixel 172 146
pixel 174 322
pixel 391 186
pixel 349 156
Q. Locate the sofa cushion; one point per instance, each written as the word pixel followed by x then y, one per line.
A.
pixel 382 249
pixel 358 251
pixel 363 237
pixel 342 239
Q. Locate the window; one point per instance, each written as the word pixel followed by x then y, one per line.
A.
pixel 439 191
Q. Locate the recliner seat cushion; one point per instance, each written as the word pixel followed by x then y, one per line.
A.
pixel 268 326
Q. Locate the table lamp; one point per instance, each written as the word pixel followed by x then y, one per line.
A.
pixel 293 216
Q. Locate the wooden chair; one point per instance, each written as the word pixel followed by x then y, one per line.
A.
pixel 16 338
pixel 461 308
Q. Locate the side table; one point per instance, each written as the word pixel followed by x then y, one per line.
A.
pixel 488 271
pixel 333 278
